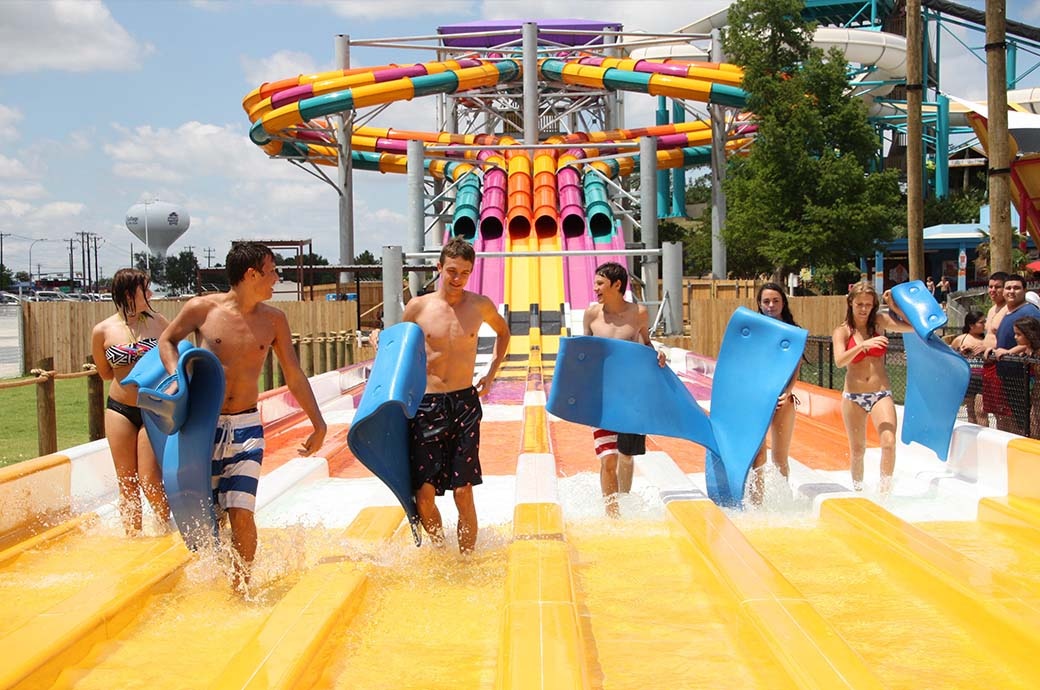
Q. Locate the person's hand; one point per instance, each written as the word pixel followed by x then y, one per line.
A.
pixel 314 441
pixel 483 386
pixel 373 338
pixel 875 342
pixel 662 358
pixel 999 353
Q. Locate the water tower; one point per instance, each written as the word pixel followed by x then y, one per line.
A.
pixel 158 224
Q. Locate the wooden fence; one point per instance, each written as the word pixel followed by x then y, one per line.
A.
pixel 61 330
pixel 707 319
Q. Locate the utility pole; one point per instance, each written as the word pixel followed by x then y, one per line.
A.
pixel 3 280
pixel 83 257
pixel 914 143
pixel 209 257
pixel 97 272
pixel 72 275
pixel 999 149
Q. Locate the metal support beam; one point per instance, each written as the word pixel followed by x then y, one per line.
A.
pixel 673 270
pixel 530 63
pixel 344 130
pixel 648 213
pixel 718 173
pixel 393 299
pixel 416 202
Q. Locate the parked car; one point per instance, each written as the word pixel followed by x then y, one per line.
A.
pixel 50 296
pixel 9 298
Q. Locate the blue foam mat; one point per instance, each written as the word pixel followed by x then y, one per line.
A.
pixel 618 385
pixel 378 436
pixel 936 376
pixel 181 429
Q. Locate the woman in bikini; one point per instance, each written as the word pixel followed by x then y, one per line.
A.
pixel 859 347
pixel 117 343
pixel 971 344
pixel 1027 344
pixel 772 302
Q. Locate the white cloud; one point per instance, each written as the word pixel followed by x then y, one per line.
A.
pixel 280 65
pixel 32 190
pixel 13 208
pixel 12 168
pixel 56 210
pixel 9 118
pixel 68 35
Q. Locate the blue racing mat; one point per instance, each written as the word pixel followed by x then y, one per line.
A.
pixel 936 376
pixel 617 385
pixel 181 428
pixel 378 436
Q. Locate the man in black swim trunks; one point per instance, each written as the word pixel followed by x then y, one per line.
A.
pixel 445 433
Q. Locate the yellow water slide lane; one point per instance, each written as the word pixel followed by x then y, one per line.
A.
pixel 271 641
pixel 917 612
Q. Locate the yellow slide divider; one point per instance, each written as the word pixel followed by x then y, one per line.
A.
pixel 812 653
pixel 541 643
pixel 32 491
pixel 1007 510
pixel 984 599
pixel 283 651
pixel 1023 465
pixel 82 521
pixel 38 651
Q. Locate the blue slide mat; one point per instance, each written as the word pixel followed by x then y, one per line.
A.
pixel 936 376
pixel 378 436
pixel 181 427
pixel 618 385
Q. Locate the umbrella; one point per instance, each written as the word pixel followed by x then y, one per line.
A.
pixel 1033 266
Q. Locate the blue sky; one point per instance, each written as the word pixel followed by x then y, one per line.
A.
pixel 104 104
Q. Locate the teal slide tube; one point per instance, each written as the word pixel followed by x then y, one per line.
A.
pixel 467 207
pixel 597 210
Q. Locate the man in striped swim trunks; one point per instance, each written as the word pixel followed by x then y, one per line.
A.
pixel 240 330
pixel 611 316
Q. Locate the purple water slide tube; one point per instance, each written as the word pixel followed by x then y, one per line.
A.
pixel 490 273
pixel 578 271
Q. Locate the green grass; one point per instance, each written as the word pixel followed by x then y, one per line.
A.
pixel 18 437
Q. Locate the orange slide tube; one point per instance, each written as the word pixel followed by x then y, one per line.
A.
pixel 518 205
pixel 546 207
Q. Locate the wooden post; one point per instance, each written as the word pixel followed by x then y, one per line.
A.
pixel 46 418
pixel 307 358
pixel 341 349
pixel 95 405
pixel 914 143
pixel 1000 251
pixel 320 359
pixel 267 375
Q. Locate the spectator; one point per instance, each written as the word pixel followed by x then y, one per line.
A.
pixel 943 291
pixel 972 344
pixel 1014 376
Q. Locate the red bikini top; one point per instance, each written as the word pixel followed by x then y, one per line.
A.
pixel 878 351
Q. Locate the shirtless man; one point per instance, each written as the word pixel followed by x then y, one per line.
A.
pixel 612 317
pixel 240 329
pixel 445 433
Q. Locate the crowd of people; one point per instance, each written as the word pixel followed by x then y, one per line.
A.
pixel 240 328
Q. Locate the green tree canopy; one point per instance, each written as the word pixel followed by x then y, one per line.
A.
pixel 803 196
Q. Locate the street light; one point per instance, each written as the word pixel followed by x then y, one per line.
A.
pixel 42 239
pixel 147 245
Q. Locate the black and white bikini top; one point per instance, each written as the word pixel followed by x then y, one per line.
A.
pixel 127 354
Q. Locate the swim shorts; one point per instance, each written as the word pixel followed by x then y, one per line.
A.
pixel 238 450
pixel 445 440
pixel 610 442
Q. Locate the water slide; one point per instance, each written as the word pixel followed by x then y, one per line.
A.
pixel 822 588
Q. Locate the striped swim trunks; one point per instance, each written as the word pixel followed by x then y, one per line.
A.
pixel 238 450
pixel 610 443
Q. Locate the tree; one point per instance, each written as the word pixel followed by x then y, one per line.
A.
pixel 6 278
pixel 181 272
pixel 309 277
pixel 803 196
pixel 366 258
pixel 155 266
pixel 22 276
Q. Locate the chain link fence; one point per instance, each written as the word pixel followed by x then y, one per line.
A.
pixel 1004 395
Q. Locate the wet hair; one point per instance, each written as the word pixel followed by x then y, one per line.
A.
pixel 1030 328
pixel 862 288
pixel 244 256
pixel 785 313
pixel 458 248
pixel 1014 277
pixel 124 291
pixel 970 319
pixel 614 272
pixel 998 275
